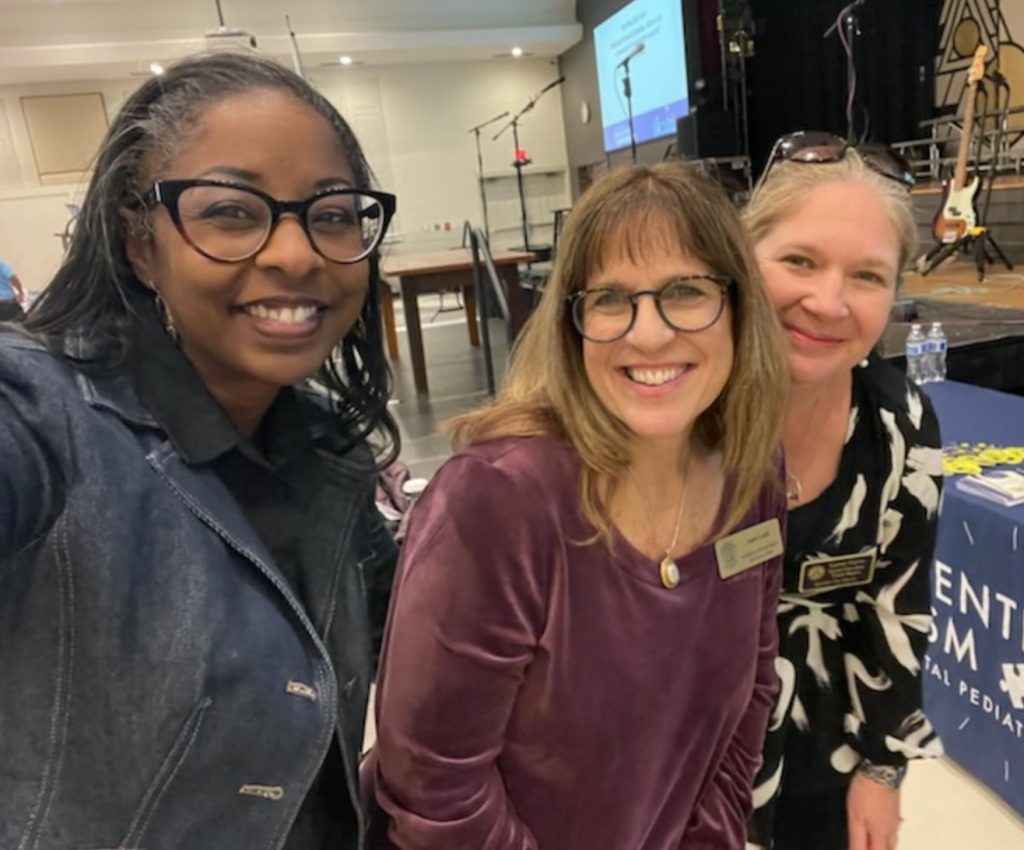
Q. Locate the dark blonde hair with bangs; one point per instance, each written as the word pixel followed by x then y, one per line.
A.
pixel 547 391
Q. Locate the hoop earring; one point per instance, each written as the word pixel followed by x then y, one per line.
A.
pixel 164 314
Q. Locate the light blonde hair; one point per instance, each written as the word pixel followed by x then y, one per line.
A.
pixel 547 391
pixel 788 184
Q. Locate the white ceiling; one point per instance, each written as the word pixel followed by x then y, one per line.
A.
pixel 46 40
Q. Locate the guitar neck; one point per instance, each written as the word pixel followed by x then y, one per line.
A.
pixel 960 175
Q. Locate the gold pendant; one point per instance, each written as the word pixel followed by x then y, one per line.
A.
pixel 669 573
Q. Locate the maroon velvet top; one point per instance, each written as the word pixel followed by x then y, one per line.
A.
pixel 538 693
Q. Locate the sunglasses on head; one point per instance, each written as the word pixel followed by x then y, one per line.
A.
pixel 817 147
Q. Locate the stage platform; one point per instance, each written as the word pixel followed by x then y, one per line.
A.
pixel 984 322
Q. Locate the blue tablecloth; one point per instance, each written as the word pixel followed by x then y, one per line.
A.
pixel 974 670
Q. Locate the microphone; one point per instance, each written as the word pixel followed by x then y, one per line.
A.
pixel 845 14
pixel 636 51
pixel 550 86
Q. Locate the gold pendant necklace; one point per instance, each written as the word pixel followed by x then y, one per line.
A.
pixel 668 570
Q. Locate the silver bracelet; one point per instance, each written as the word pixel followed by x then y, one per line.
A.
pixel 883 774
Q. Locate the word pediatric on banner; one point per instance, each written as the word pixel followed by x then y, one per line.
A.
pixel 975 630
pixel 991 705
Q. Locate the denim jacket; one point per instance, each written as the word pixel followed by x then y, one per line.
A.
pixel 161 687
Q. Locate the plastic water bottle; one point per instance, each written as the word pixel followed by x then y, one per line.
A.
pixel 936 346
pixel 927 368
pixel 915 354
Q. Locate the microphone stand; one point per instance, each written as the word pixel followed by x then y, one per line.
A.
pixel 847 18
pixel 480 169
pixel 987 240
pixel 519 164
pixel 722 48
pixel 627 89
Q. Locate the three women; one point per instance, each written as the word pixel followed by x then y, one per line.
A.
pixel 581 651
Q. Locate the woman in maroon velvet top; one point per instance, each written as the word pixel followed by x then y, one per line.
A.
pixel 580 648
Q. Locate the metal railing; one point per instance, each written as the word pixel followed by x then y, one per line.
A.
pixel 997 151
pixel 491 298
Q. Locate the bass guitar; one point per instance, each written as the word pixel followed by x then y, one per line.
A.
pixel 958 214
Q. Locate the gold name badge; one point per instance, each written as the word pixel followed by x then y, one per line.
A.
pixel 820 574
pixel 745 549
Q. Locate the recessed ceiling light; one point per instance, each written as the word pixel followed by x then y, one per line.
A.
pixel 517 52
pixel 345 60
pixel 156 68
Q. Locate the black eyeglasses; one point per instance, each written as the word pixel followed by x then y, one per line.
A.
pixel 230 223
pixel 688 304
pixel 817 147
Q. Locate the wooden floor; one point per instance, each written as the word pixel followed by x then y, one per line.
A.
pixel 970 310
pixel 956 282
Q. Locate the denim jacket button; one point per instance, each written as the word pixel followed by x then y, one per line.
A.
pixel 299 689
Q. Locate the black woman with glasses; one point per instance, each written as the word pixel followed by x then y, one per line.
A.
pixel 580 651
pixel 193 575
pixel 833 230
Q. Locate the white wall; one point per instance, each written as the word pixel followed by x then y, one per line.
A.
pixel 31 215
pixel 31 221
pixel 411 119
pixel 414 121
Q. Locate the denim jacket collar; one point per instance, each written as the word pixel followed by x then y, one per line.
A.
pixel 203 493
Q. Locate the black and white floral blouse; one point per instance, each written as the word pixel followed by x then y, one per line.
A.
pixel 850 656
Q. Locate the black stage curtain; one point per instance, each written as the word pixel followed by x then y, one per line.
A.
pixel 797 78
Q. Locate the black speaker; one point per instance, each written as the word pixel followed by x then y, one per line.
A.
pixel 706 133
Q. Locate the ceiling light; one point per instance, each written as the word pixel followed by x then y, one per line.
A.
pixel 517 52
pixel 156 68
pixel 345 60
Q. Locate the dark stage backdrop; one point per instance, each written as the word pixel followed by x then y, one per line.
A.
pixel 798 78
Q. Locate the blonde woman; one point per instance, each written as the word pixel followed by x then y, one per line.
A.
pixel 833 229
pixel 581 647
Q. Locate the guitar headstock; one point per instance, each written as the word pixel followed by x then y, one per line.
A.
pixel 977 69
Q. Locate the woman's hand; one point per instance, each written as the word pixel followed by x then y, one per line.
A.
pixel 873 810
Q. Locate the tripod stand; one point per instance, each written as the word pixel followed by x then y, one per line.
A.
pixel 978 239
pixel 519 162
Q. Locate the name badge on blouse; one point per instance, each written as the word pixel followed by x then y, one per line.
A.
pixel 820 574
pixel 748 548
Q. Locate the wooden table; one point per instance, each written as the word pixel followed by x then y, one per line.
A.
pixel 437 271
